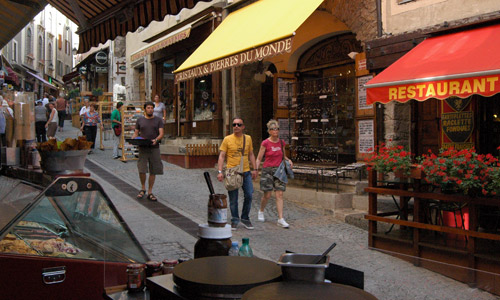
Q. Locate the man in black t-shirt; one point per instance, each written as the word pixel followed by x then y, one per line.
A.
pixel 149 127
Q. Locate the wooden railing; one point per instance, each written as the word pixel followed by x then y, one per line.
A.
pixel 202 149
pixel 418 236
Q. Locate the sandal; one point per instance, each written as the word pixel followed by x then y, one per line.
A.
pixel 152 197
pixel 141 194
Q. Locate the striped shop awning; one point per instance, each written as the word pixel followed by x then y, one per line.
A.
pixel 102 20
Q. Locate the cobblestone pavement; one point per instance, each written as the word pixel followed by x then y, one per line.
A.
pixel 311 231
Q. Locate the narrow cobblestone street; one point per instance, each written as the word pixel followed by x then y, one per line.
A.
pixel 311 231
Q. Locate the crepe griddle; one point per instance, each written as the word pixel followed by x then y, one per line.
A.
pixel 306 291
pixel 224 276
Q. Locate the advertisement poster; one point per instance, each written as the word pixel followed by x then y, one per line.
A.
pixel 457 123
pixel 285 129
pixel 285 90
pixel 366 136
pixel 362 92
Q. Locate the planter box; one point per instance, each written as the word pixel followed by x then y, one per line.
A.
pixel 191 162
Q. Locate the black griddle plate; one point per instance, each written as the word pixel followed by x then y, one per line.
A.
pixel 224 275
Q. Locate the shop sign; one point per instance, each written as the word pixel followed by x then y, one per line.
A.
pixel 101 58
pixel 253 55
pixel 487 86
pixel 458 104
pixel 162 43
pixel 101 69
pixel 458 126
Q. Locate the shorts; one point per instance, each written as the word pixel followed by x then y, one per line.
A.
pixel 151 156
pixel 268 182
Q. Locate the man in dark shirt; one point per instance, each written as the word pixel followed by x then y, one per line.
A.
pixel 149 127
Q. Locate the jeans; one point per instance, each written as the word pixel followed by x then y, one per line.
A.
pixel 62 116
pixel 116 143
pixel 247 202
pixel 40 131
pixel 90 134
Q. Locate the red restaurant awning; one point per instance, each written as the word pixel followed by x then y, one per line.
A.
pixel 458 64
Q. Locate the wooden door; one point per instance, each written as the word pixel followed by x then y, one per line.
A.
pixel 142 86
pixel 426 120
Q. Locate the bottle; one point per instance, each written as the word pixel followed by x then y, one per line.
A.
pixel 234 250
pixel 245 249
pixel 217 210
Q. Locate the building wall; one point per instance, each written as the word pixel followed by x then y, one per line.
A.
pixel 134 42
pixel 48 24
pixel 399 18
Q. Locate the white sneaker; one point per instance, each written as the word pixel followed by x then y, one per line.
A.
pixel 283 223
pixel 260 216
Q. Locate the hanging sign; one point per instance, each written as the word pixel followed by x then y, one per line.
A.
pixel 101 58
pixel 457 123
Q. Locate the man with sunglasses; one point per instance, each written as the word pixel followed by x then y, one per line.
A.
pixel 231 149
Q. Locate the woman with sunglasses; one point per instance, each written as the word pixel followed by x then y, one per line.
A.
pixel 272 149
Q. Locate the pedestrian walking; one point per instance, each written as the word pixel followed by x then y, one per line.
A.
pixel 3 125
pixel 40 121
pixel 52 121
pixel 116 124
pixel 231 150
pixel 272 149
pixel 89 127
pixel 45 99
pixel 61 110
pixel 160 110
pixel 85 108
pixel 149 127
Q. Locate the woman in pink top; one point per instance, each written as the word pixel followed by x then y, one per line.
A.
pixel 272 149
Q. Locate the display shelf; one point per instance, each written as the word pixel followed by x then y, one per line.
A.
pixel 316 127
pixel 129 119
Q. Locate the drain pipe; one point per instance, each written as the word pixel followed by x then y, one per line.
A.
pixel 379 18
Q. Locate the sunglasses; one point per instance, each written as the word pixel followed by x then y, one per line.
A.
pixel 274 128
pixel 237 124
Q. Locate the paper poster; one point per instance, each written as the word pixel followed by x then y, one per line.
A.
pixel 366 136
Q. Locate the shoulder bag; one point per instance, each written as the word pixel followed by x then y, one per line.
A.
pixel 284 170
pixel 234 176
pixel 118 130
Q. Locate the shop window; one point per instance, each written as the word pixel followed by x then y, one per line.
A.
pixel 14 51
pixel 167 89
pixel 40 49
pixel 203 106
pixel 29 42
pixel 182 101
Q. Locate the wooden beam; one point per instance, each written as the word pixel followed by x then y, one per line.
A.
pixel 82 21
pixel 29 3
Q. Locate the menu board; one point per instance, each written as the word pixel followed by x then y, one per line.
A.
pixel 284 91
pixel 366 136
pixel 285 129
pixel 362 93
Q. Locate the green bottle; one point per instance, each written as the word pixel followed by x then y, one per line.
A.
pixel 245 249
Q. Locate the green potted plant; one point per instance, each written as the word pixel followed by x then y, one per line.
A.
pixel 97 92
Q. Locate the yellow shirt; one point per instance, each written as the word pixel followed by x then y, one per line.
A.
pixel 232 145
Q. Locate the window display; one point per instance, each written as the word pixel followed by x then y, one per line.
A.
pixel 203 105
pixel 72 218
pixel 167 89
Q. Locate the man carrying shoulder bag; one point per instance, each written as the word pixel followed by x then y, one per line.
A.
pixel 235 147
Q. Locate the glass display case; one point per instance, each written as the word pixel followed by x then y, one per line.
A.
pixel 71 223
